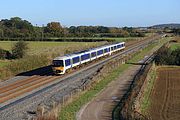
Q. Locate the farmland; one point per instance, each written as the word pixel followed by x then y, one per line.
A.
pixel 43 52
pixel 165 103
pixel 51 47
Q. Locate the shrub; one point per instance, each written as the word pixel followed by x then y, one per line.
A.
pixel 165 56
pixel 4 54
pixel 176 56
pixel 19 49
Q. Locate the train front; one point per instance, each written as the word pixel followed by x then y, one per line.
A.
pixel 58 67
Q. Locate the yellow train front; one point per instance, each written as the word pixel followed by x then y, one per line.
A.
pixel 58 66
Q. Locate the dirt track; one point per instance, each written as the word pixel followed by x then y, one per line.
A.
pixel 165 100
pixel 100 108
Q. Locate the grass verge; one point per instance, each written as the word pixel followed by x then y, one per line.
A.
pixel 145 103
pixel 69 111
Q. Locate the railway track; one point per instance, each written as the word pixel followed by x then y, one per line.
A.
pixel 21 87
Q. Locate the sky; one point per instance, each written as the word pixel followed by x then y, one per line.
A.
pixel 112 13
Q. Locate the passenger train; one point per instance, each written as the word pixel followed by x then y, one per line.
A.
pixel 61 64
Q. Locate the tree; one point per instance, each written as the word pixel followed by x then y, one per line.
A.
pixel 19 49
pixel 55 29
pixel 163 56
pixel 176 56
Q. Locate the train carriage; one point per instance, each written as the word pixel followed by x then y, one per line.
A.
pixel 61 64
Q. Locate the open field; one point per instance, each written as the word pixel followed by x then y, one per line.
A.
pixel 165 98
pixel 51 47
pixel 35 46
pixel 40 52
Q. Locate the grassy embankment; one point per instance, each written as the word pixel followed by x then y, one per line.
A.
pixel 69 111
pixel 145 103
pixel 174 46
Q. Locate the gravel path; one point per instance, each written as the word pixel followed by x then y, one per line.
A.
pixel 108 98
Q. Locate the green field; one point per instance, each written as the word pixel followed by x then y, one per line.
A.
pixel 174 46
pixel 36 47
pixel 51 47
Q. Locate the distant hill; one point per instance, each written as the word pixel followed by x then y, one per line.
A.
pixel 166 25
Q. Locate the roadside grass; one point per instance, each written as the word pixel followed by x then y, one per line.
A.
pixel 69 111
pixel 145 103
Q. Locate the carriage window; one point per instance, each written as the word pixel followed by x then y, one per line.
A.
pixel 93 54
pixel 112 48
pixel 100 52
pixel 85 57
pixel 68 62
pixel 106 50
pixel 75 60
pixel 119 46
pixel 109 49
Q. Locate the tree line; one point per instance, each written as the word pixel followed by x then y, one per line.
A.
pixel 18 28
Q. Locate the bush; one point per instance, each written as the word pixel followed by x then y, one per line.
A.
pixel 176 56
pixel 19 49
pixel 4 54
pixel 165 56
